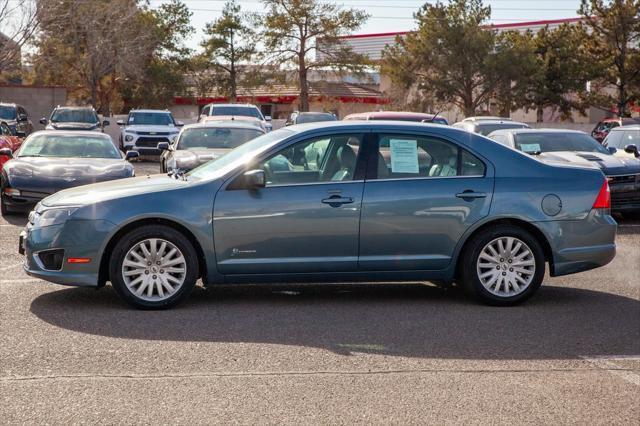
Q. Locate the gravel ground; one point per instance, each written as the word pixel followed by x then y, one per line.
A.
pixel 330 354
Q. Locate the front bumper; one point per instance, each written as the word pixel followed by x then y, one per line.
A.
pixel 146 144
pixel 78 239
pixel 25 202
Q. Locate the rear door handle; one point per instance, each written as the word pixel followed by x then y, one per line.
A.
pixel 468 194
pixel 337 200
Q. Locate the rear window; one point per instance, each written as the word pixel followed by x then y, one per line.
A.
pixel 554 142
pixel 212 138
pixel 237 110
pixel 312 118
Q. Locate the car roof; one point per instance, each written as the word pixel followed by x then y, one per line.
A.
pixel 9 104
pixel 361 125
pixel 627 127
pixel 71 133
pixel 240 105
pixel 486 118
pixel 222 124
pixel 549 131
pixel 74 107
pixel 392 114
pixel 158 111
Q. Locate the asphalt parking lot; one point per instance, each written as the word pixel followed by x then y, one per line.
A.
pixel 383 354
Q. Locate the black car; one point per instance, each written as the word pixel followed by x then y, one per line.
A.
pixel 49 161
pixel 16 118
pixel 74 118
pixel 569 146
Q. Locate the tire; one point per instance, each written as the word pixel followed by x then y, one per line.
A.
pixel 144 286
pixel 507 277
pixel 4 210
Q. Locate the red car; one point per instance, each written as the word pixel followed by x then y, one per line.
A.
pixel 603 128
pixel 7 140
pixel 398 116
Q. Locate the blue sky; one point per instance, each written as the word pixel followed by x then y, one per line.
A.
pixel 395 15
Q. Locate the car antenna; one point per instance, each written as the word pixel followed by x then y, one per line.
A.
pixel 432 118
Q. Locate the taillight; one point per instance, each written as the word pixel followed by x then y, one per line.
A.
pixel 603 200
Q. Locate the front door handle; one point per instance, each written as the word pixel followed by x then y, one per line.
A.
pixel 469 195
pixel 337 200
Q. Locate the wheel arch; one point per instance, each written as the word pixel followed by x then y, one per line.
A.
pixel 103 275
pixel 527 226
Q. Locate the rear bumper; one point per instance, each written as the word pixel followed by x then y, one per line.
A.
pixel 580 245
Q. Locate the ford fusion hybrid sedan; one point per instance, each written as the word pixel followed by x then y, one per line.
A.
pixel 338 202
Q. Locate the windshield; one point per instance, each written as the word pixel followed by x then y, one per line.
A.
pixel 74 116
pixel 239 155
pixel 52 145
pixel 7 112
pixel 150 119
pixel 313 118
pixel 553 142
pixel 485 129
pixel 237 110
pixel 216 137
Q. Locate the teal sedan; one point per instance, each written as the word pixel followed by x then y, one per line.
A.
pixel 331 202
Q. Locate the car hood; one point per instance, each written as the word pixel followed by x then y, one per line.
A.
pixel 90 194
pixel 73 126
pixel 152 129
pixel 48 175
pixel 609 164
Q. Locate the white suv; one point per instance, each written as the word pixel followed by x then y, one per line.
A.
pixel 145 128
pixel 230 111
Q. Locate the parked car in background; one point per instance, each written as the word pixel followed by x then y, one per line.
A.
pixel 74 118
pixel 297 117
pixel 570 146
pixel 263 213
pixel 16 118
pixel 236 110
pixel 7 135
pixel 603 128
pixel 49 161
pixel 625 139
pixel 418 117
pixel 253 121
pixel 201 142
pixel 486 118
pixel 4 146
pixel 144 129
pixel 484 127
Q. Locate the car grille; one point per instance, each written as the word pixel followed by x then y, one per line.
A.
pixel 624 179
pixel 150 142
pixel 154 133
pixel 625 189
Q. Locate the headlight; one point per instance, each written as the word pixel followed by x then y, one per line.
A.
pixel 54 216
pixel 128 138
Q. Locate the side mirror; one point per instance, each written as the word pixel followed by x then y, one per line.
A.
pixel 6 152
pixel 131 154
pixel 23 117
pixel 254 179
pixel 179 124
pixel 44 121
pixel 267 118
pixel 163 146
pixel 612 150
pixel 632 149
pixel 105 123
pixel 120 122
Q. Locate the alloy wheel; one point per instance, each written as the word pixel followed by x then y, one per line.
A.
pixel 154 269
pixel 506 266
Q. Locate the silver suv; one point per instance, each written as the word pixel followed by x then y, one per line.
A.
pixel 144 129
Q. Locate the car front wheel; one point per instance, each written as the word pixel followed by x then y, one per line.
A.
pixel 503 266
pixel 154 267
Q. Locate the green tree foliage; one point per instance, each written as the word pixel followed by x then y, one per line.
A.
pixel 230 42
pixel 613 43
pixel 295 29
pixel 451 56
pixel 547 70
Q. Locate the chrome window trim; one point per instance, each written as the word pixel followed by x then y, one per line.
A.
pixel 338 182
pixel 425 178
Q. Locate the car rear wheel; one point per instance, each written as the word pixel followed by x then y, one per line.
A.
pixel 503 266
pixel 154 267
